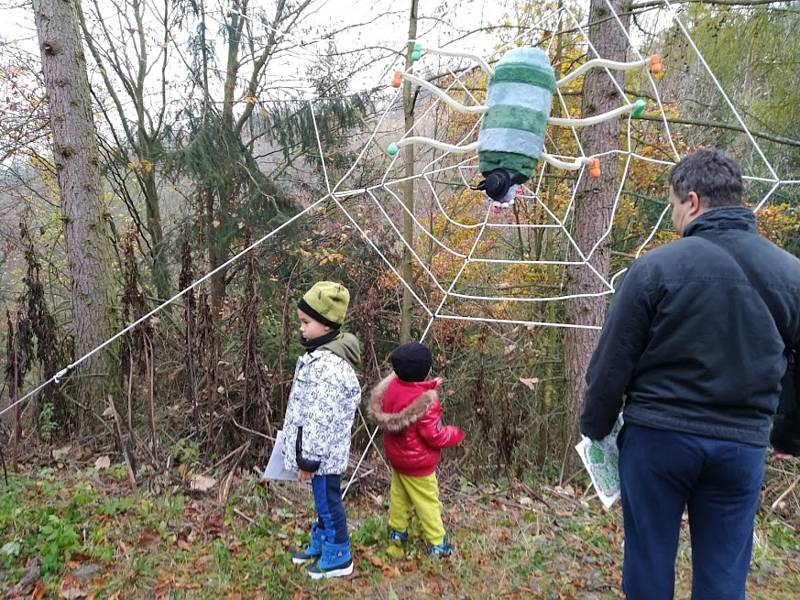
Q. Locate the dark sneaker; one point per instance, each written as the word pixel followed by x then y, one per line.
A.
pixel 334 562
pixel 314 549
pixel 398 537
pixel 440 550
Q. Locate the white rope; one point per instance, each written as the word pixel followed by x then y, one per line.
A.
pixel 533 299
pixel 593 120
pixel 573 165
pixel 553 159
pixel 70 367
pixel 355 223
pixel 516 322
pixel 454 104
pixel 602 62
pixel 650 79
pixel 437 144
pixel 739 118
pixel 767 197
pixel 473 57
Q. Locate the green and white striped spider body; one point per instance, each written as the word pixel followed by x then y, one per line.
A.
pixel 515 117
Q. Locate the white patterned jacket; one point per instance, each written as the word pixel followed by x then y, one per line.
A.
pixel 322 404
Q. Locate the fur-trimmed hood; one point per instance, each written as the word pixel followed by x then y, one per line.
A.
pixel 394 422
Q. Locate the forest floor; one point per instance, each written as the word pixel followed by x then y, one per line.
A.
pixel 75 530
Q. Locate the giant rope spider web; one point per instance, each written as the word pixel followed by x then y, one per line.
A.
pixel 466 254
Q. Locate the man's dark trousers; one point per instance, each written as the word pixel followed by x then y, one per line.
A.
pixel 661 473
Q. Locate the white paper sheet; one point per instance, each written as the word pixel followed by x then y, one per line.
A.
pixel 275 469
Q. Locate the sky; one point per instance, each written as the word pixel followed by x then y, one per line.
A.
pixel 383 23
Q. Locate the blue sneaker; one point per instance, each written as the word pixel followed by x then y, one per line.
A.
pixel 442 550
pixel 314 549
pixel 335 561
pixel 398 537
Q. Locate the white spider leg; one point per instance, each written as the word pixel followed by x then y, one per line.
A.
pixel 474 57
pixel 437 144
pixel 567 166
pixel 477 109
pixel 603 62
pixel 606 116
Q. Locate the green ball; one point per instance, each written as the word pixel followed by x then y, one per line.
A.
pixel 392 149
pixel 638 108
pixel 415 55
pixel 417 47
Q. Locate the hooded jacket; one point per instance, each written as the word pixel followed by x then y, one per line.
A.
pixel 322 404
pixel 698 335
pixel 410 415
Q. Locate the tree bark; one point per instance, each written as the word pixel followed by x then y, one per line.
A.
pixel 160 269
pixel 407 265
pixel 77 160
pixel 593 205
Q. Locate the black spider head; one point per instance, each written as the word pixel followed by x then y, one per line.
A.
pixel 497 183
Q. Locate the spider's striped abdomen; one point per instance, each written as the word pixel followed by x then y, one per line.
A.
pixel 519 95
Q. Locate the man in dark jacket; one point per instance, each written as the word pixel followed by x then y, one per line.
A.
pixel 696 341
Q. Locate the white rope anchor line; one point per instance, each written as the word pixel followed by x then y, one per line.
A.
pixel 66 370
pixel 70 367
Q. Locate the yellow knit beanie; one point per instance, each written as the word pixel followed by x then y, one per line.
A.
pixel 326 302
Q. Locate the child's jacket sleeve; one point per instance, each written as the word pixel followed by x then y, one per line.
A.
pixel 434 433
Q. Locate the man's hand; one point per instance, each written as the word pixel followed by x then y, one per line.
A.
pixel 778 455
pixel 304 475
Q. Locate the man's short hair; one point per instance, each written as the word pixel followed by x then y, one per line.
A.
pixel 713 175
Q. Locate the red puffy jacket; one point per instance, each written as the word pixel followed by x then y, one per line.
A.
pixel 410 415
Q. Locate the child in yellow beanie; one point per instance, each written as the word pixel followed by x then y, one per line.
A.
pixel 319 415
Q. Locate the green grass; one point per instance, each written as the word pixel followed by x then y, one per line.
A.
pixel 179 545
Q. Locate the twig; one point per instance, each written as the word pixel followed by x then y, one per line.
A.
pixel 244 516
pixel 783 495
pixel 225 458
pixel 225 488
pixel 123 447
pixel 3 460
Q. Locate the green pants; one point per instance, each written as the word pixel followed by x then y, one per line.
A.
pixel 422 494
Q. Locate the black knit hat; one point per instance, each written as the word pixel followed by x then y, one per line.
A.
pixel 411 361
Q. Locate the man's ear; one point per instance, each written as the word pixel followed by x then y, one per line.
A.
pixel 695 204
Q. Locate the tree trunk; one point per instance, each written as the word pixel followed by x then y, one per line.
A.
pixel 77 161
pixel 160 270
pixel 407 266
pixel 593 204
